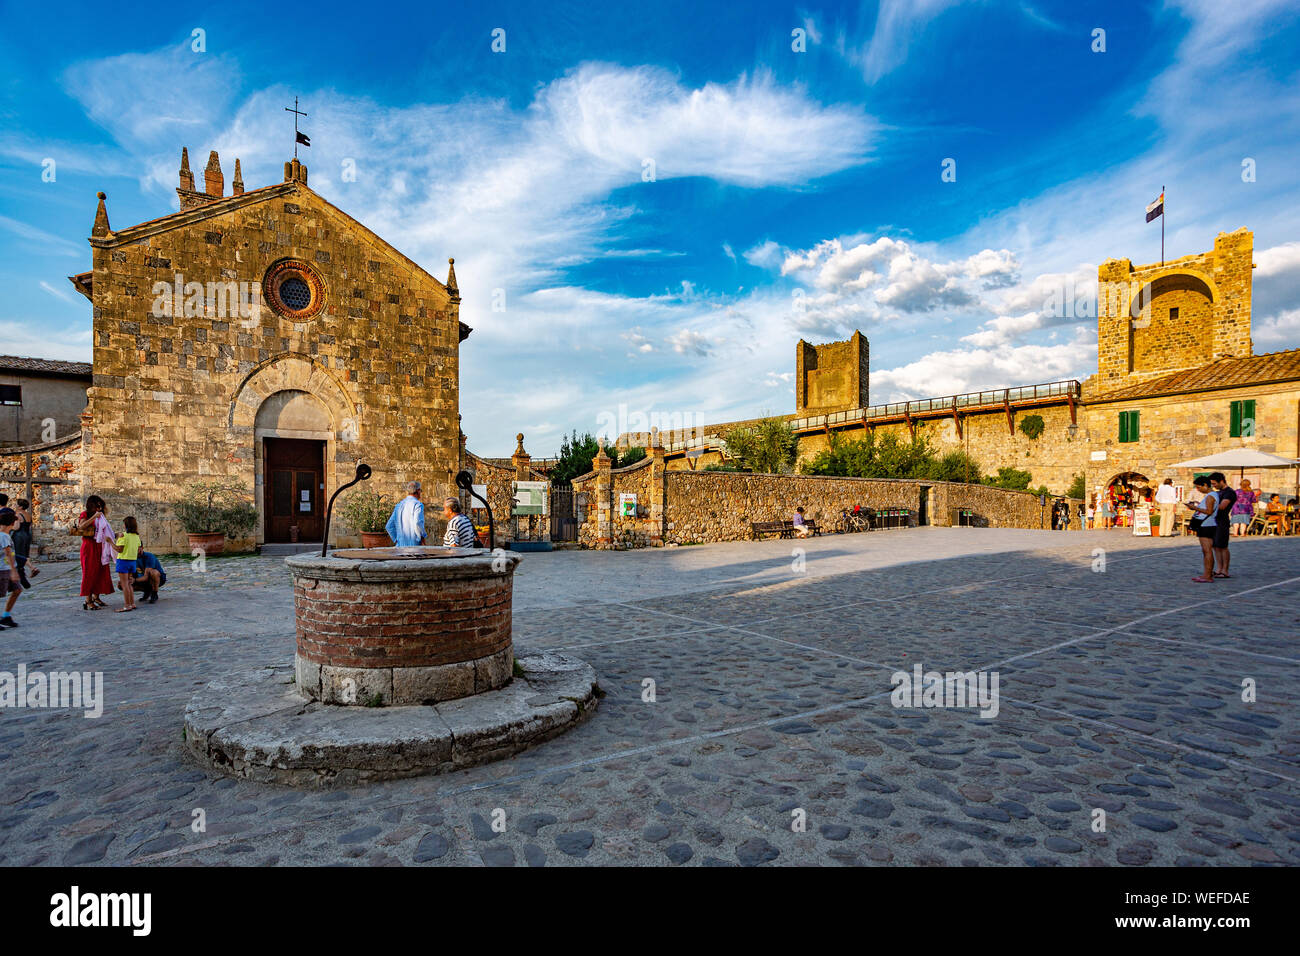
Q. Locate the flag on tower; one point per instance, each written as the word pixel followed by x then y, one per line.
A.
pixel 302 138
pixel 1156 208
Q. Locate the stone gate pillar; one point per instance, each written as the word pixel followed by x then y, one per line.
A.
pixel 522 462
pixel 658 465
pixel 604 501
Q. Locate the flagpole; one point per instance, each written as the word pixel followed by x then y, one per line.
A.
pixel 1162 206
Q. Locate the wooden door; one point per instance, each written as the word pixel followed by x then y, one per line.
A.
pixel 294 491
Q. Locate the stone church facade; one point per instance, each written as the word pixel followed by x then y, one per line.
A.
pixel 268 338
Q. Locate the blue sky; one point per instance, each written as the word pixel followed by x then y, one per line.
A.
pixel 794 194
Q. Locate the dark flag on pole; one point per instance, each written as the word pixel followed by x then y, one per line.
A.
pixel 1157 208
pixel 299 138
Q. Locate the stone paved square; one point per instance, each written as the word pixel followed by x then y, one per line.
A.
pixel 1119 691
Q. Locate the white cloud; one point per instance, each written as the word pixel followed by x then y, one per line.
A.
pixel 35 338
pixel 954 371
pixel 55 244
pixel 690 342
pixel 1278 332
pixel 860 281
pixel 169 91
pixel 517 195
pixel 65 295
pixel 898 24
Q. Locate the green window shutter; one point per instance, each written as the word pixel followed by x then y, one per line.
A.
pixel 1128 426
pixel 1242 420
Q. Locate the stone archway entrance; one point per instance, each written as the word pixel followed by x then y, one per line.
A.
pixel 290 398
pixel 1129 478
pixel 292 431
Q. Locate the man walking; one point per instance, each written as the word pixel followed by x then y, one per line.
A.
pixel 460 530
pixel 1167 499
pixel 406 525
pixel 1227 498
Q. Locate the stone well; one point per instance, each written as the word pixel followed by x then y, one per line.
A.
pixel 404 666
pixel 402 625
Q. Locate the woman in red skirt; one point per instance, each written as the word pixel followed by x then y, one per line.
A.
pixel 96 576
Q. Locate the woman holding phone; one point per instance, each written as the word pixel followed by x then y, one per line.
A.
pixel 1204 524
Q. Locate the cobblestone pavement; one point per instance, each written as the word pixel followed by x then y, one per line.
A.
pixel 1120 692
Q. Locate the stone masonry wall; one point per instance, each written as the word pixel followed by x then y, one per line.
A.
pixel 720 506
pixel 54 506
pixel 1053 458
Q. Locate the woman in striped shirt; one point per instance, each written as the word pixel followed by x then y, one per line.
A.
pixel 460 530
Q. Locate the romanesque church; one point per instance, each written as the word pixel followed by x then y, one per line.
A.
pixel 268 337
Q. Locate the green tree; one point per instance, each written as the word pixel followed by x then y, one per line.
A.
pixel 1010 478
pixel 889 456
pixel 769 447
pixel 629 457
pixel 1078 488
pixel 577 452
pixel 956 466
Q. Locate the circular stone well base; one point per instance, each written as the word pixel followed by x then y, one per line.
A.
pixel 255 725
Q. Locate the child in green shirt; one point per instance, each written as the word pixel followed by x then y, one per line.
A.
pixel 128 549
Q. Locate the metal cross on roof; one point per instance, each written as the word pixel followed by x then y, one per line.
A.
pixel 297 136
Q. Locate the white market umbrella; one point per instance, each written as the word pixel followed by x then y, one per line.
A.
pixel 1241 459
pixel 1238 458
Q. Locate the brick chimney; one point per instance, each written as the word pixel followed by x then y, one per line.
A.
pixel 237 184
pixel 295 172
pixel 214 183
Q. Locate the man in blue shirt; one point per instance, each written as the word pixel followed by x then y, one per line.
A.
pixel 149 576
pixel 406 526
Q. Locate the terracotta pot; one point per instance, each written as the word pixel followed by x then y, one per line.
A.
pixel 212 543
pixel 375 539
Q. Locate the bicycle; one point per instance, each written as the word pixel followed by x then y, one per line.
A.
pixel 852 521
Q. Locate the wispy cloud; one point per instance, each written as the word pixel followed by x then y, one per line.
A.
pixel 55 244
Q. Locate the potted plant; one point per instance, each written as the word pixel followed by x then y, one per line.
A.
pixel 366 512
pixel 212 511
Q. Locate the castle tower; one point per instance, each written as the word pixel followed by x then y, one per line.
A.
pixel 833 376
pixel 1160 318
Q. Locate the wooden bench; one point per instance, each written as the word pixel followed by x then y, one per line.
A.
pixel 782 529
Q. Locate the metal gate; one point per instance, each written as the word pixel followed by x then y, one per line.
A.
pixel 564 523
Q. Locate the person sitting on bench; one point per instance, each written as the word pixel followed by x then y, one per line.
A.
pixel 801 530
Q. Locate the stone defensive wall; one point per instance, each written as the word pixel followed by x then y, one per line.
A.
pixel 694 507
pixel 48 475
pixel 499 476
